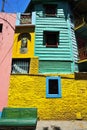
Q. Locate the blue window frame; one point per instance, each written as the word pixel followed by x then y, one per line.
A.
pixel 53 87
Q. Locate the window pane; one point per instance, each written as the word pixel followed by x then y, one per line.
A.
pixel 53 86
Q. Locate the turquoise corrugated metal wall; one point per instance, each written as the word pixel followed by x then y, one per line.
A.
pixel 55 67
pixel 55 59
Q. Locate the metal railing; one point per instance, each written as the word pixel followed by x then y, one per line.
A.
pixel 25 18
pixel 83 53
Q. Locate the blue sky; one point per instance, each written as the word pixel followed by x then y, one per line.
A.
pixel 13 6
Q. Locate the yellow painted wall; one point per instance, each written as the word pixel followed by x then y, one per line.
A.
pixel 17 44
pixel 30 91
pixel 34 65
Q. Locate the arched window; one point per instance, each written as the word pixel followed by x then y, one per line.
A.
pixel 24 37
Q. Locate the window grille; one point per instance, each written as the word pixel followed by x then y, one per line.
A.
pixel 20 66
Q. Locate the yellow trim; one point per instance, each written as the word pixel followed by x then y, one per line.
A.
pixel 83 24
pixel 81 61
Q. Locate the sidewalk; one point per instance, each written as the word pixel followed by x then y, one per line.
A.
pixel 61 125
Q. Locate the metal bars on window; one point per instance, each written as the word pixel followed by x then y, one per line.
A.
pixel 20 66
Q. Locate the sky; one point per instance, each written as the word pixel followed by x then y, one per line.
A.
pixel 14 6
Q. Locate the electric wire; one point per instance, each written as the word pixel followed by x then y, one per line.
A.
pixel 9 23
pixel 7 52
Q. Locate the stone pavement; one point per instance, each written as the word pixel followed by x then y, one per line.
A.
pixel 61 125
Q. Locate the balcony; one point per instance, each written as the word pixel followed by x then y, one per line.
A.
pixel 81 26
pixel 83 53
pixel 82 64
pixel 80 13
pixel 25 19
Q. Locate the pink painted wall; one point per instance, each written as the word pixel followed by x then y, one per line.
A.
pixel 6 43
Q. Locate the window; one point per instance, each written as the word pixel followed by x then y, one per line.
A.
pixel 1 25
pixel 51 39
pixel 50 10
pixel 20 66
pixel 24 37
pixel 53 87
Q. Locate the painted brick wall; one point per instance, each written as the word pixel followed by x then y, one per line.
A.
pixel 34 65
pixel 30 91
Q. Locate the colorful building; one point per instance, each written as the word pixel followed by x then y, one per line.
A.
pixel 55 42
pixel 7 28
pixel 80 13
pixel 45 57
pixel 23 49
pixel 44 69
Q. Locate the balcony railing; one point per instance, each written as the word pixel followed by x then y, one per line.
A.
pixel 83 53
pixel 25 18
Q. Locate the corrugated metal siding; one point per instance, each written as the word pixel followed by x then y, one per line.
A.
pixel 74 49
pixel 74 43
pixel 55 67
pixel 76 67
pixel 59 23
